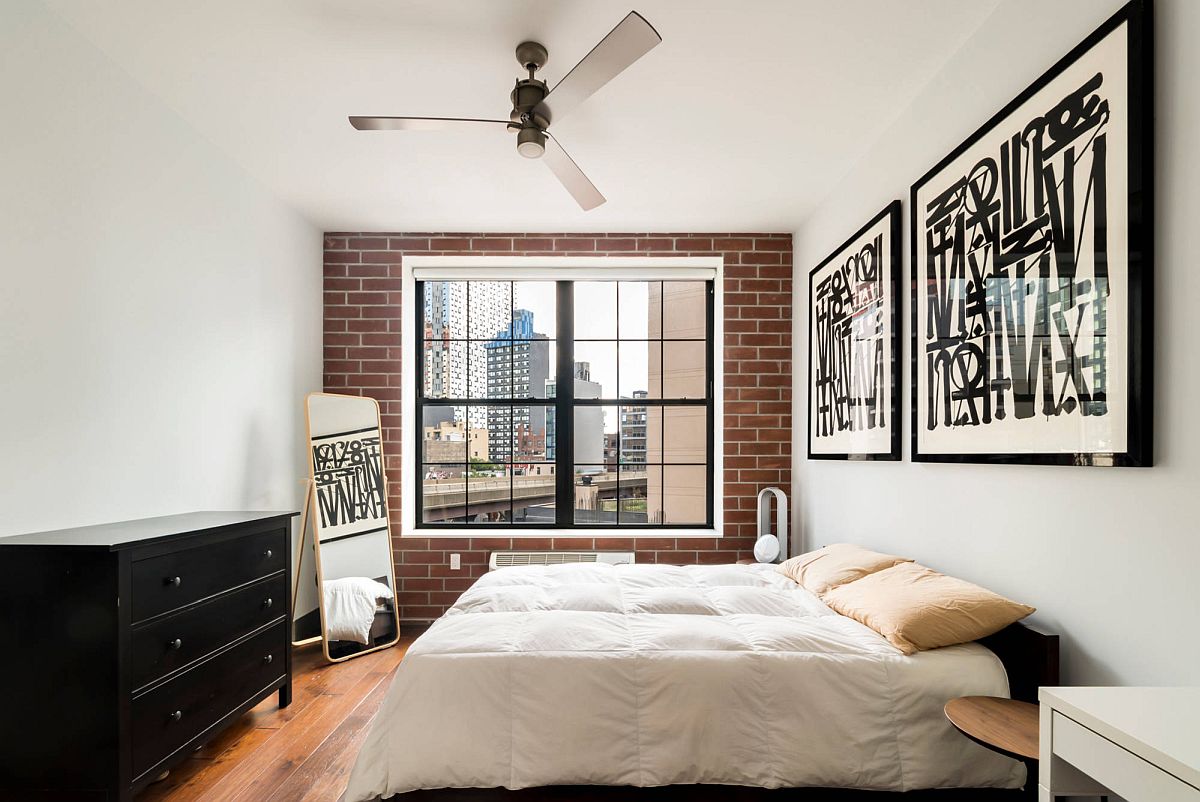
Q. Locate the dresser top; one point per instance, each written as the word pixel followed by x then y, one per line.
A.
pixel 125 534
pixel 1157 724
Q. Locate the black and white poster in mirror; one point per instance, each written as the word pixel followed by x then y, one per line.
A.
pixel 1031 270
pixel 854 346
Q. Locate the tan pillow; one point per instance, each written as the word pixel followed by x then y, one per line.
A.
pixel 917 608
pixel 823 569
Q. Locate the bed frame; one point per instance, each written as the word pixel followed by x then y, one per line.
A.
pixel 1029 655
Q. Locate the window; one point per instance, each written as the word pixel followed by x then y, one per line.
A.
pixel 565 404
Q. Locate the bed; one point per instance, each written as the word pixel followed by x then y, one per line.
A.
pixel 653 675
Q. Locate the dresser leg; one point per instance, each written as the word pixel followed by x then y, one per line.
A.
pixel 285 695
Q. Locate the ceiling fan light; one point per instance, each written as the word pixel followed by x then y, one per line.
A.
pixel 531 143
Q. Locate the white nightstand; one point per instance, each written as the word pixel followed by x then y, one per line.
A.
pixel 1140 743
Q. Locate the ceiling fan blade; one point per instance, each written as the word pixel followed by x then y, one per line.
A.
pixel 625 44
pixel 421 123
pixel 568 173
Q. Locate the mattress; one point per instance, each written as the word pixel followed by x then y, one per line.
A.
pixel 650 675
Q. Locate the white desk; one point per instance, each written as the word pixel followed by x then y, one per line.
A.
pixel 1140 743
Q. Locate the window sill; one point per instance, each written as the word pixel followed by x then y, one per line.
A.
pixel 558 534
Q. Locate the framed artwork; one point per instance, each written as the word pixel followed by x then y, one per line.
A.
pixel 1032 311
pixel 854 346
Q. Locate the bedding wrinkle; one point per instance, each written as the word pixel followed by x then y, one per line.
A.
pixel 653 675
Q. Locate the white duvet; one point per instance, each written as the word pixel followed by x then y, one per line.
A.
pixel 650 675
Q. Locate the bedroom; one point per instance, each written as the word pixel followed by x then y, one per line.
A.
pixel 205 256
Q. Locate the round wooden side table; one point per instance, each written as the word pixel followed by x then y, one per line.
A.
pixel 1002 725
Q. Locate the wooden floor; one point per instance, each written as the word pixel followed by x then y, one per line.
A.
pixel 303 752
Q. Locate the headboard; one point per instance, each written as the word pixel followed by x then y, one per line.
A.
pixel 1030 657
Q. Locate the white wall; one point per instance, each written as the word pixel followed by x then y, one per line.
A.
pixel 1107 555
pixel 160 313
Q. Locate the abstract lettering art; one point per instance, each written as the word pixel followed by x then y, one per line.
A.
pixel 854 365
pixel 1028 284
pixel 348 483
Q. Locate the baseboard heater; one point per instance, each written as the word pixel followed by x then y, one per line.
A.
pixel 504 559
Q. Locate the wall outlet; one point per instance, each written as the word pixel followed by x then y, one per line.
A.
pixel 455 562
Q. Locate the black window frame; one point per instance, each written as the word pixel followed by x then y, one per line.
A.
pixel 564 404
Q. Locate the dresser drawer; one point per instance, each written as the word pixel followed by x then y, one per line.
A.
pixel 167 717
pixel 170 643
pixel 161 584
pixel 1114 767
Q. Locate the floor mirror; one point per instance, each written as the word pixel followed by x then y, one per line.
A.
pixel 351 535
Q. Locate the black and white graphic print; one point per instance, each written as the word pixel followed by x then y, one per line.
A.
pixel 349 485
pixel 1021 274
pixel 853 336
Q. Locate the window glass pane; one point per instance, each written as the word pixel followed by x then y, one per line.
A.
pixel 445 369
pixel 682 496
pixel 595 495
pixel 444 433
pixel 445 310
pixel 492 369
pixel 638 365
pixel 529 433
pixel 684 374
pixel 592 425
pixel 599 361
pixel 685 434
pixel 685 310
pixel 532 367
pixel 497 421
pixel 489 309
pixel 533 493
pixel 639 303
pixel 632 499
pixel 634 427
pixel 489 495
pixel 443 494
pixel 534 306
pixel 595 310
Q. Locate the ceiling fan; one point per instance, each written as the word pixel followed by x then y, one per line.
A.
pixel 532 102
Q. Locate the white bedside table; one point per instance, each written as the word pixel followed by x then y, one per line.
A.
pixel 1140 743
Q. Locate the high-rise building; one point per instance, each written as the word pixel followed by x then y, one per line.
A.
pixel 589 421
pixel 517 362
pixel 633 431
pixel 675 494
pixel 456 365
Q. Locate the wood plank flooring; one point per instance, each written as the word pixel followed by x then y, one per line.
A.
pixel 300 754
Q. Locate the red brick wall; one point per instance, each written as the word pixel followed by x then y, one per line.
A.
pixel 363 353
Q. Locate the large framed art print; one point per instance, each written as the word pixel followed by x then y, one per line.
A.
pixel 1032 313
pixel 854 345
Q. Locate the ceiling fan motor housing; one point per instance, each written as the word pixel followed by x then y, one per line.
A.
pixel 531 142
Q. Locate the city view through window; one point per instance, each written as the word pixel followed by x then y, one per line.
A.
pixel 638 399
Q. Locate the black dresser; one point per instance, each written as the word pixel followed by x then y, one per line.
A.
pixel 128 645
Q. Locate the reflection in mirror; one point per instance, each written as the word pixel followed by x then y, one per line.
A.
pixel 350 515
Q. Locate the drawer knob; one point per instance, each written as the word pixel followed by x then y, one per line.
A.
pixel 178 714
pixel 268 554
pixel 270 658
pixel 173 581
pixel 175 644
pixel 268 602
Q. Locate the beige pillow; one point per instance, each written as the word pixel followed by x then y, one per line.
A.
pixel 819 571
pixel 917 608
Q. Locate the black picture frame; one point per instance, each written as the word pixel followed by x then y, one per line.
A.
pixel 888 218
pixel 1139 318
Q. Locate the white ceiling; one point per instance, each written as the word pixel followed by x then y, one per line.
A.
pixel 744 118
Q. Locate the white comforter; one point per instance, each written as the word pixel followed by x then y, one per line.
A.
pixel 650 675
